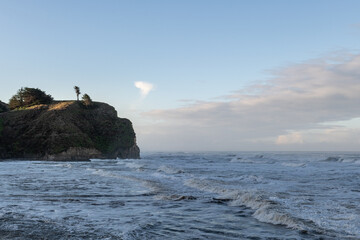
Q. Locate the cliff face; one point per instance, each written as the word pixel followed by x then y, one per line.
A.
pixel 66 131
pixel 3 107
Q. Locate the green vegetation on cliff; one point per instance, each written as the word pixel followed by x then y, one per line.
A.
pixel 86 100
pixel 26 97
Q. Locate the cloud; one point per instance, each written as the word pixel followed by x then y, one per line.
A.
pixel 297 99
pixel 144 87
pixel 292 138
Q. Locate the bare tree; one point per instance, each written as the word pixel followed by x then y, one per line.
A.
pixel 77 91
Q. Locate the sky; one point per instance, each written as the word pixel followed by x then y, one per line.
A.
pixel 202 75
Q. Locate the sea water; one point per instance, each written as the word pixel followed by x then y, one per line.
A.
pixel 226 195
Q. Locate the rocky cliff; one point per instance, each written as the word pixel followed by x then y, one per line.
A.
pixel 66 130
pixel 3 107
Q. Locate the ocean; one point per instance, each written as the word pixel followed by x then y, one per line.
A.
pixel 209 195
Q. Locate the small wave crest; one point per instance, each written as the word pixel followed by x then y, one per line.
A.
pixel 251 178
pixel 269 215
pixel 169 170
pixel 67 165
pixel 241 160
pixel 136 166
pixel 290 164
pixel 63 165
pixel 102 173
pixel 175 197
pixel 333 159
pixel 342 159
pixel 160 175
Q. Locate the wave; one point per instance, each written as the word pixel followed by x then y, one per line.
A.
pixel 175 197
pixel 63 165
pixel 250 179
pixel 342 159
pixel 290 164
pixel 169 170
pixel 160 175
pixel 241 160
pixel 102 173
pixel 333 159
pixel 136 166
pixel 141 231
pixel 66 165
pixel 265 210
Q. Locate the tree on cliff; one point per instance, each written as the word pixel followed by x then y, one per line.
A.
pixel 77 91
pixel 87 100
pixel 26 97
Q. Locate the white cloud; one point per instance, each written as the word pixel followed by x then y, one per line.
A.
pixel 299 98
pixel 144 87
pixel 292 138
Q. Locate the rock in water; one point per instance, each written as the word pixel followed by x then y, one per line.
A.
pixel 66 130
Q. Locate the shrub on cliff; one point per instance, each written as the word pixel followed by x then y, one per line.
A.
pixel 87 100
pixel 26 97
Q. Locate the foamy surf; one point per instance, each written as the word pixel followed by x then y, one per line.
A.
pixel 184 196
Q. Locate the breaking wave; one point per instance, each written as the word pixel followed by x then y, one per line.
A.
pixel 265 210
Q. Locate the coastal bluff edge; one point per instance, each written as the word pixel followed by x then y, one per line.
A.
pixel 66 131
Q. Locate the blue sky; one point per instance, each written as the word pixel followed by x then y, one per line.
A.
pixel 196 55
